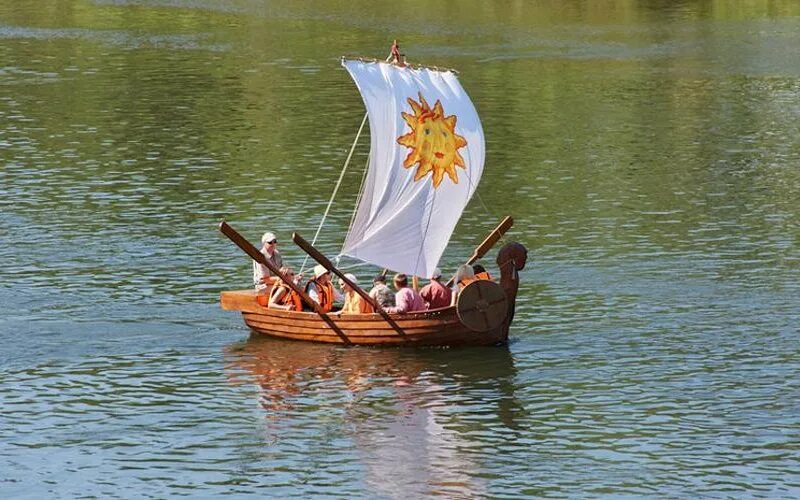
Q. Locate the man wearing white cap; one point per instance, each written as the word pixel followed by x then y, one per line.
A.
pixel 435 294
pixel 321 290
pixel 262 278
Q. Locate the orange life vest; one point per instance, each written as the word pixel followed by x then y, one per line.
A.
pixel 325 294
pixel 484 276
pixel 355 304
pixel 465 281
pixel 290 298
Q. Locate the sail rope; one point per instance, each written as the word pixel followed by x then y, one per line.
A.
pixel 358 198
pixel 485 207
pixel 336 188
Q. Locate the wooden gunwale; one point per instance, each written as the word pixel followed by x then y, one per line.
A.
pixel 245 301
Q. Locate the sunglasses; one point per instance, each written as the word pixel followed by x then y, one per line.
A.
pixel 273 242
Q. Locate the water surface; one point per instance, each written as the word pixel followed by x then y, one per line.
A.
pixel 647 151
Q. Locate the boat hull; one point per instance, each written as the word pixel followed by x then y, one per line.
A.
pixel 438 327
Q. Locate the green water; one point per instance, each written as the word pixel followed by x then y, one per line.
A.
pixel 648 151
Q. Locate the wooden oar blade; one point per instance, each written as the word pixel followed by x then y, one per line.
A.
pixel 488 243
pixel 493 237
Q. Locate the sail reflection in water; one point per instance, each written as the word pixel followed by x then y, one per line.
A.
pixel 406 417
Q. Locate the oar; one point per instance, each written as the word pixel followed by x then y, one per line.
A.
pixel 327 264
pixel 257 256
pixel 488 243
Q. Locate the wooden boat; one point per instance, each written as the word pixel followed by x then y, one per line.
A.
pixel 482 316
pixel 436 327
pixel 423 206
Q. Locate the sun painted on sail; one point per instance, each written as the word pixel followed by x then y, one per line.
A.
pixel 433 141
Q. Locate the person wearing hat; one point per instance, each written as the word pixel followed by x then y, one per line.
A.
pixel 353 302
pixel 464 276
pixel 406 298
pixel 262 278
pixel 381 293
pixel 321 290
pixel 435 294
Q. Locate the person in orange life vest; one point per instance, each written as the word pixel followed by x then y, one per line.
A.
pixel 283 297
pixel 435 294
pixel 262 278
pixel 353 302
pixel 481 273
pixel 321 290
pixel 464 276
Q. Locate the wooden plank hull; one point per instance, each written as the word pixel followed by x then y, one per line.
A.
pixel 440 327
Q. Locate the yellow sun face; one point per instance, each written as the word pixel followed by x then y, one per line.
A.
pixel 433 141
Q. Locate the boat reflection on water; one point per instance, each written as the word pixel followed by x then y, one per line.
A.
pixel 416 418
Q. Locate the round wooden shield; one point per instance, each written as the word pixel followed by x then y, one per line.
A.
pixel 482 305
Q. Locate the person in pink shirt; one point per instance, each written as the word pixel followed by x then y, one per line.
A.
pixel 435 294
pixel 406 299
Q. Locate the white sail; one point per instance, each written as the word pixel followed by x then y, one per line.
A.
pixel 426 159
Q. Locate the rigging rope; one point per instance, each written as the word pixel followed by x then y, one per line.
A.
pixel 358 200
pixel 336 188
pixel 489 212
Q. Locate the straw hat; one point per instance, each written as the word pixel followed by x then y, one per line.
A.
pixel 319 270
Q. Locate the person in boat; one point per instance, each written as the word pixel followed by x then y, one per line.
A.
pixel 283 297
pixel 353 302
pixel 464 276
pixel 321 290
pixel 406 298
pixel 435 294
pixel 262 278
pixel 381 293
pixel 481 273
